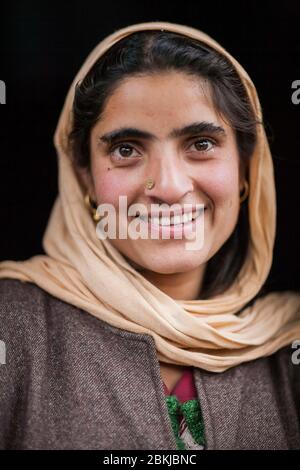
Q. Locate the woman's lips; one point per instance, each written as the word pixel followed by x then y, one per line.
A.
pixel 172 231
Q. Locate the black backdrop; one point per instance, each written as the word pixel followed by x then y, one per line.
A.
pixel 43 44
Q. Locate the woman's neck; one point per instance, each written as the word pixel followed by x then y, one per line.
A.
pixel 179 286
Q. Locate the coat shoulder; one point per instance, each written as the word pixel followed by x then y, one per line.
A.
pixel 15 290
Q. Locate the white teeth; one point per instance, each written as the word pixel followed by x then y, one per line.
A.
pixel 174 220
pixel 187 217
pixel 164 221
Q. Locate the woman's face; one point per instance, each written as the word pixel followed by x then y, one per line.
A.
pixel 196 167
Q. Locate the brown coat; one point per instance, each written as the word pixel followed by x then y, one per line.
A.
pixel 72 381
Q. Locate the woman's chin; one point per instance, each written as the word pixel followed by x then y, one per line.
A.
pixel 169 266
pixel 164 259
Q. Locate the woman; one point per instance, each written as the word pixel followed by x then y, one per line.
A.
pixel 144 343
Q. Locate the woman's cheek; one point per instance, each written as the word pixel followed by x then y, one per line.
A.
pixel 222 183
pixel 109 187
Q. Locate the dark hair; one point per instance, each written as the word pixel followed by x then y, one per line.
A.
pixel 152 52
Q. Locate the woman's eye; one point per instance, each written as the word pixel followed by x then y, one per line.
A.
pixel 204 145
pixel 122 151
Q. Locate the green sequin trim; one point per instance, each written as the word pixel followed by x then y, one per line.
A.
pixel 192 412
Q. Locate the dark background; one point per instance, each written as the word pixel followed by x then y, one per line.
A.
pixel 44 44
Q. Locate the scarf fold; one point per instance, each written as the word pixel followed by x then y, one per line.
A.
pixel 92 275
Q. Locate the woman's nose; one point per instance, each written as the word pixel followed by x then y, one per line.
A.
pixel 171 181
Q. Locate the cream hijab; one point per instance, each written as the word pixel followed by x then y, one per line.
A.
pixel 91 274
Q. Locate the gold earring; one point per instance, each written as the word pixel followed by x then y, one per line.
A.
pixel 92 207
pixel 150 183
pixel 246 192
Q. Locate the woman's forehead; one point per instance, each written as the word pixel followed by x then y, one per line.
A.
pixel 160 103
pixel 160 89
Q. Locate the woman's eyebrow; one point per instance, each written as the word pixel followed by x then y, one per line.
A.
pixel 189 130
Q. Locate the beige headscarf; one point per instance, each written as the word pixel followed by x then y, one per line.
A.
pixel 92 275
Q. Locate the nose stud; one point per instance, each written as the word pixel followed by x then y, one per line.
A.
pixel 150 183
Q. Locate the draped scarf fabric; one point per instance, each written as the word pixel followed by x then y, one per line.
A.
pixel 92 275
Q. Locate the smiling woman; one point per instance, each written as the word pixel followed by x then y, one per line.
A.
pixel 149 76
pixel 172 348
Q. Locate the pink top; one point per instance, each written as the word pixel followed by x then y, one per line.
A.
pixel 185 387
